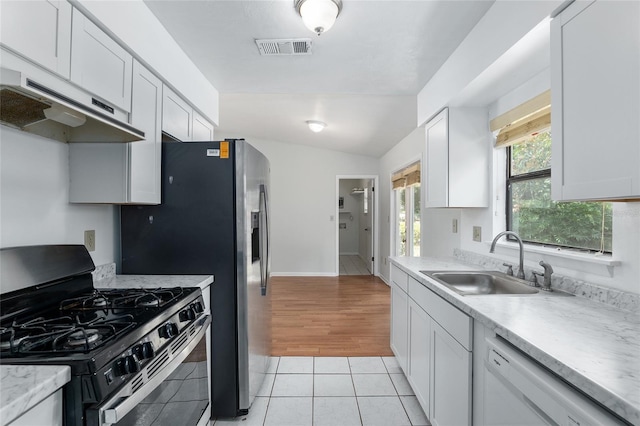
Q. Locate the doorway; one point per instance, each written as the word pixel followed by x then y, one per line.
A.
pixel 356 225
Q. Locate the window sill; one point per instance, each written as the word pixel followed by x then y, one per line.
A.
pixel 598 264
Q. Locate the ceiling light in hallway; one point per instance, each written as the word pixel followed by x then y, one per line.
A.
pixel 316 126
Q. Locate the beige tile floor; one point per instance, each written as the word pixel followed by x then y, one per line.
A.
pixel 333 391
pixel 352 265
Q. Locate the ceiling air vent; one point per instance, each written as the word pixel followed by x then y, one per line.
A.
pixel 284 47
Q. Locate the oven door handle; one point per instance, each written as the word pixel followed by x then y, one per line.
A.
pixel 126 400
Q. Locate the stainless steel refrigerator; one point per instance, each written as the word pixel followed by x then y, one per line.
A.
pixel 214 220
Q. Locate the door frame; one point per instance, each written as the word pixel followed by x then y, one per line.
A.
pixel 376 255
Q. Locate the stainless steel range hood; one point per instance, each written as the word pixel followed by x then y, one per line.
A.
pixel 30 106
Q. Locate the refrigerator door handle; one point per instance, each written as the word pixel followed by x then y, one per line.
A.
pixel 265 259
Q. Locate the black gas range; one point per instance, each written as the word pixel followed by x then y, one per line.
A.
pixel 120 344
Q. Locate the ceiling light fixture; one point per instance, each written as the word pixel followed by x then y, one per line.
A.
pixel 316 126
pixel 318 15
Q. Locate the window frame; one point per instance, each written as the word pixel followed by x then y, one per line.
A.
pixel 538 174
pixel 409 205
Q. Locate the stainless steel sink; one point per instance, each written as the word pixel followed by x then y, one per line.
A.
pixel 475 283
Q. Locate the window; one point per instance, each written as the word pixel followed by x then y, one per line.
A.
pixel 406 189
pixel 535 217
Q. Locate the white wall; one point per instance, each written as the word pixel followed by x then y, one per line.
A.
pixel 407 151
pixel 304 204
pixel 34 194
pixel 504 24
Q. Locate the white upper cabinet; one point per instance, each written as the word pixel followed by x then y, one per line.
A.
pixel 595 87
pixel 202 129
pixel 39 31
pixel 145 156
pixel 123 173
pixel 177 116
pixel 457 159
pixel 100 65
pixel 437 161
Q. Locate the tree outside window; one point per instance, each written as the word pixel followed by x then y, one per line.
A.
pixel 536 218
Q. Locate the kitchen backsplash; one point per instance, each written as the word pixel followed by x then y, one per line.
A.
pixel 616 298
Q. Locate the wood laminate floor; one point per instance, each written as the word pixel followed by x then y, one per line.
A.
pixel 330 316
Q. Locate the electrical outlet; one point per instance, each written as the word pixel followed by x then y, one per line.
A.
pixel 477 233
pixel 90 239
pixel 454 226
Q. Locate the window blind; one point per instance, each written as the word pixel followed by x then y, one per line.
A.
pixel 408 176
pixel 524 121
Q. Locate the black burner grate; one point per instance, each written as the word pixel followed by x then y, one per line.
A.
pixel 62 335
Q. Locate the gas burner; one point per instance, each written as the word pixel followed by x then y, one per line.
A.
pixel 148 301
pixel 82 337
pixel 115 300
pixel 99 302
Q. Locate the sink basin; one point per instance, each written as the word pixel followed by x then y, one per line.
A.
pixel 476 283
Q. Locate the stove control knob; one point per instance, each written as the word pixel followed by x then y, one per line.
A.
pixel 197 307
pixel 168 330
pixel 131 364
pixel 147 350
pixel 127 365
pixel 144 350
pixel 187 315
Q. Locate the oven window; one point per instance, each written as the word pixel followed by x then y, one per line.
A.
pixel 181 399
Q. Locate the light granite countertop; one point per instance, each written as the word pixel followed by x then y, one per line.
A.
pixel 24 386
pixel 154 281
pixel 593 346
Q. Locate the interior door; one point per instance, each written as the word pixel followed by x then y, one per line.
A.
pixel 369 228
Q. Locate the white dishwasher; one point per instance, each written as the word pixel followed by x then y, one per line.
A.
pixel 518 392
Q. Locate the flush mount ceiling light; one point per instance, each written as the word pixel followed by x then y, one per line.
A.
pixel 318 15
pixel 316 126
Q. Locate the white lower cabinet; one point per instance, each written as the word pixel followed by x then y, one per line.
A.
pixel 399 326
pixel 433 342
pixel 419 375
pixel 450 402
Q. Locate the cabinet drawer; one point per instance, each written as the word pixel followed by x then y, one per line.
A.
pixel 458 324
pixel 399 278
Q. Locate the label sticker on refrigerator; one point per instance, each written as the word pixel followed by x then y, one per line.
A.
pixel 213 153
pixel 224 149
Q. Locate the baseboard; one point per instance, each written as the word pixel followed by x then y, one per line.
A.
pixel 384 280
pixel 303 274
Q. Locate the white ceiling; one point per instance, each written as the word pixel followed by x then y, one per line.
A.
pixel 361 79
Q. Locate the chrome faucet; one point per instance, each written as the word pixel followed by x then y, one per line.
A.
pixel 548 270
pixel 520 273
